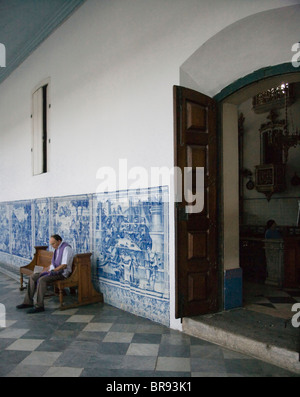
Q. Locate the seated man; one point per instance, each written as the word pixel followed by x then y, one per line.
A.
pixel 271 231
pixel 60 268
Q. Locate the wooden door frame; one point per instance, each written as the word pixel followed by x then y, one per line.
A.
pixel 200 267
pixel 229 95
pixel 235 94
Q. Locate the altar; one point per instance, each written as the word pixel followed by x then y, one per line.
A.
pixel 283 262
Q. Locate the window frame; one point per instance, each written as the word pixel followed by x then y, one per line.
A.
pixel 40 136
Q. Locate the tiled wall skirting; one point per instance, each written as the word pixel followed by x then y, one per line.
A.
pixel 127 233
pixel 233 289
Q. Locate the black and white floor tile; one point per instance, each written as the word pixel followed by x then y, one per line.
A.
pixel 102 341
pixel 270 300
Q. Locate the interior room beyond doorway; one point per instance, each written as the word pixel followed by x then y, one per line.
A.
pixel 247 130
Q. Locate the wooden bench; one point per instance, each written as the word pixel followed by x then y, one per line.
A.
pixel 41 258
pixel 80 277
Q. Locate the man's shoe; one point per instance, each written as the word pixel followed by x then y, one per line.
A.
pixel 36 310
pixel 24 306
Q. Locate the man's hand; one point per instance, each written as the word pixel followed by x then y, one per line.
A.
pixel 61 267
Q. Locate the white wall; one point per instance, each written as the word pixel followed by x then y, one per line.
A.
pixel 112 66
pixel 230 165
pixel 255 42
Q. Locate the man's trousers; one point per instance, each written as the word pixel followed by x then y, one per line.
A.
pixel 39 285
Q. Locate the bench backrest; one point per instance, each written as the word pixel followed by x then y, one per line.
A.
pixel 44 258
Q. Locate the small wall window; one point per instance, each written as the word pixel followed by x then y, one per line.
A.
pixel 40 130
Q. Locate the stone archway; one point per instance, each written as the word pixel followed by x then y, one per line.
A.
pixel 253 43
pixel 228 67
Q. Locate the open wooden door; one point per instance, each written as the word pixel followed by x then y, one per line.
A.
pixel 196 232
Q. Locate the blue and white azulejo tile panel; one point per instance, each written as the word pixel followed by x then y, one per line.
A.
pixel 131 251
pixel 72 220
pixel 4 227
pixel 21 239
pixel 127 233
pixel 41 221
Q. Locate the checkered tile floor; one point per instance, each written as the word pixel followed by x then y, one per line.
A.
pixel 102 341
pixel 273 301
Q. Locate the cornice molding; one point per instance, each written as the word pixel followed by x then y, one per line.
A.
pixel 57 18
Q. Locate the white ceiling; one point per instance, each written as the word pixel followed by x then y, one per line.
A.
pixel 25 24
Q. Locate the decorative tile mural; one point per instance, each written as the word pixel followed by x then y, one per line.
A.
pixel 127 232
pixel 131 251
pixel 21 240
pixel 72 220
pixel 5 230
pixel 41 219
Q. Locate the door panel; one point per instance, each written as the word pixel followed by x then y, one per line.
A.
pixel 196 231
